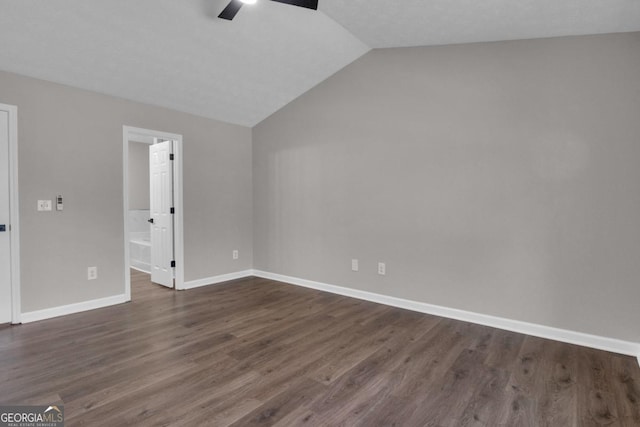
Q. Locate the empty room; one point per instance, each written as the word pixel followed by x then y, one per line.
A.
pixel 320 213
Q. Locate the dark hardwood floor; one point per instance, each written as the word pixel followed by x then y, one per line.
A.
pixel 258 352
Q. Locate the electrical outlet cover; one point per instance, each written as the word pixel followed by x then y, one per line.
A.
pixel 44 205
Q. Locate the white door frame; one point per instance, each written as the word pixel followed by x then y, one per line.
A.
pixel 14 212
pixel 147 135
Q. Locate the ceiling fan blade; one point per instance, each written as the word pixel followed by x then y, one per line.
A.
pixel 230 11
pixel 309 4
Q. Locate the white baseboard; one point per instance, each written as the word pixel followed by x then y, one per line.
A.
pixel 133 267
pixel 217 279
pixel 572 337
pixel 48 313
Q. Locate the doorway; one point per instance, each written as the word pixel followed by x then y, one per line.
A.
pixel 9 219
pixel 153 234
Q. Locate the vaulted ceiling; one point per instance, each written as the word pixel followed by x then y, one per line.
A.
pixel 177 54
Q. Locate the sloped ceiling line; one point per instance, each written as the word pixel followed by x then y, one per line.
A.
pixel 178 55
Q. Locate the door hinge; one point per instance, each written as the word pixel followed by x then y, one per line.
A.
pixel 173 210
pixel 171 156
pixel 173 264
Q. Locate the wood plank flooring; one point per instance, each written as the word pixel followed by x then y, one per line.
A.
pixel 256 352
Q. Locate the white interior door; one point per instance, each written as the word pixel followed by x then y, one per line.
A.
pixel 5 241
pixel 161 205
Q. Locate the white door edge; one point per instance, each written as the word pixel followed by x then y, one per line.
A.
pixel 14 212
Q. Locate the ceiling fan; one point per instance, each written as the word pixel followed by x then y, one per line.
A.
pixel 234 6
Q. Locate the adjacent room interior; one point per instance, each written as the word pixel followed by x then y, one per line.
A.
pixel 380 215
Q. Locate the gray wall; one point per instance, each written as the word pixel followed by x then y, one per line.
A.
pixel 70 143
pixel 139 197
pixel 501 178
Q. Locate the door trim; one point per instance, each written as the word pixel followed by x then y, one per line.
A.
pixel 147 136
pixel 14 212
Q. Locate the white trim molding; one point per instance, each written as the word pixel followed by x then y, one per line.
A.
pixel 572 337
pixel 14 213
pixel 63 310
pixel 131 133
pixel 214 280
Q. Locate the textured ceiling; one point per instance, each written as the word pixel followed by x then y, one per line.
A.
pixel 384 23
pixel 178 55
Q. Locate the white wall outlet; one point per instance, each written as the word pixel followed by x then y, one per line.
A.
pixel 92 273
pixel 354 265
pixel 44 205
pixel 236 254
pixel 382 268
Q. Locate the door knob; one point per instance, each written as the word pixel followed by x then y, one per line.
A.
pixel 3 228
pixel 150 220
